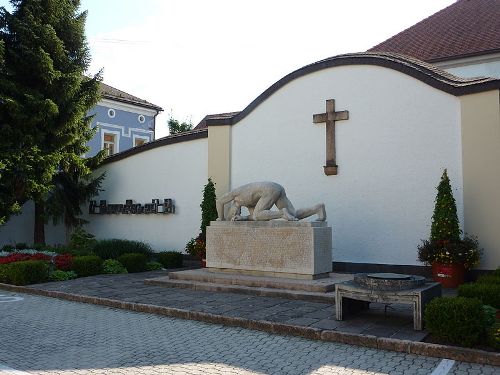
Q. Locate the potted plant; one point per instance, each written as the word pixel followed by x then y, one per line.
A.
pixel 448 254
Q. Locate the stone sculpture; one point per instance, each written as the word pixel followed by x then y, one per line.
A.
pixel 259 198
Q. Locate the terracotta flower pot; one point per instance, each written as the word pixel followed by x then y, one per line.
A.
pixel 449 275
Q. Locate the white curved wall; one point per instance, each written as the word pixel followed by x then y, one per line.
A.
pixel 391 152
pixel 177 171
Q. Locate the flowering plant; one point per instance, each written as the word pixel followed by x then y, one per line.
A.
pixel 197 247
pixel 18 256
pixel 465 251
pixel 63 262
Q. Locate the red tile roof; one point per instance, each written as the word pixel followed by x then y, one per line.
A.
pixel 465 28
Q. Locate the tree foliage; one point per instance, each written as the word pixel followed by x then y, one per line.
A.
pixel 176 127
pixel 45 98
pixel 445 225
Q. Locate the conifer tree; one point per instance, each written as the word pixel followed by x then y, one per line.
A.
pixel 45 99
pixel 445 225
pixel 208 207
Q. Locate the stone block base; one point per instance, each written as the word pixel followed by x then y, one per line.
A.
pixel 300 250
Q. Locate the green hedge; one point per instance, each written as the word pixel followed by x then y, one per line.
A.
pixel 134 262
pixel 170 259
pixel 60 275
pixel 87 265
pixel 27 272
pixel 112 249
pixel 4 273
pixel 153 266
pixel 489 279
pixel 489 294
pixel 112 266
pixel 456 320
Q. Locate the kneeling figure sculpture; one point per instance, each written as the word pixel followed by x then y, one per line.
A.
pixel 259 198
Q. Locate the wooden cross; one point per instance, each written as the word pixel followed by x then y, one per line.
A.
pixel 329 118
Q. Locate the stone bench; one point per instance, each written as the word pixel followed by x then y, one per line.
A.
pixel 349 294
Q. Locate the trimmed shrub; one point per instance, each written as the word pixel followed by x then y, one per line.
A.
pixel 489 279
pixel 59 275
pixel 456 320
pixel 153 266
pixel 113 267
pixel 489 294
pixel 496 272
pixel 494 336
pixel 87 265
pixel 21 246
pixel 134 262
pixel 8 248
pixel 28 272
pixel 112 249
pixel 4 278
pixel 208 207
pixel 170 259
pixel 81 242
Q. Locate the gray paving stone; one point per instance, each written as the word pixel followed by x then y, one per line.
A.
pixel 123 342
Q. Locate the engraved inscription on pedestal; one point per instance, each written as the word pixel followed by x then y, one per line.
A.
pixel 277 248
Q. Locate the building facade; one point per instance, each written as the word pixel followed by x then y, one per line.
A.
pixel 122 120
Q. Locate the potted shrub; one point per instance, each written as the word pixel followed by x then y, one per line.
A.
pixel 448 254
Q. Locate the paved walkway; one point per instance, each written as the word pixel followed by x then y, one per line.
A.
pixel 395 322
pixel 40 335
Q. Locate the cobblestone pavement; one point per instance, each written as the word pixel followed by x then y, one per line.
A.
pixel 396 322
pixel 40 335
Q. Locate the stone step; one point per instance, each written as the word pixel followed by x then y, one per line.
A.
pixel 166 281
pixel 203 275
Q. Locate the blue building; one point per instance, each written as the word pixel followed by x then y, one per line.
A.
pixel 123 121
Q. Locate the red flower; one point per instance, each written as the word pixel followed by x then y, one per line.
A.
pixel 63 262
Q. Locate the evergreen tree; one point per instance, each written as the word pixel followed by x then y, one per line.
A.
pixel 71 191
pixel 45 97
pixel 208 207
pixel 445 225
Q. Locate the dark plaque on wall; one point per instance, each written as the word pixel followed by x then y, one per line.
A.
pixel 155 207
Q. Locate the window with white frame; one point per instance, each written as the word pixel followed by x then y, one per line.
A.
pixel 110 142
pixel 140 140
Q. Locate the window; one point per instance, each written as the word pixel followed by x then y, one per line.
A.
pixel 140 140
pixel 111 113
pixel 141 119
pixel 109 143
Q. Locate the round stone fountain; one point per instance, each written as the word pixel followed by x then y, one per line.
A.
pixel 388 281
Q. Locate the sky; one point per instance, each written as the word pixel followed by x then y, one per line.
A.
pixel 199 57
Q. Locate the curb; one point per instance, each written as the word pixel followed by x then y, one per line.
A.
pixel 383 343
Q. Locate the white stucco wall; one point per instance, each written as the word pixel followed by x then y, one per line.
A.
pixel 400 135
pixel 177 171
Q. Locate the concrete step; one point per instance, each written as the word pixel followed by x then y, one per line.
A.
pixel 167 281
pixel 203 275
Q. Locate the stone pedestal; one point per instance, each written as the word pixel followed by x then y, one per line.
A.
pixel 291 249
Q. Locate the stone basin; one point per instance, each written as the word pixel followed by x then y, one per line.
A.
pixel 388 281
